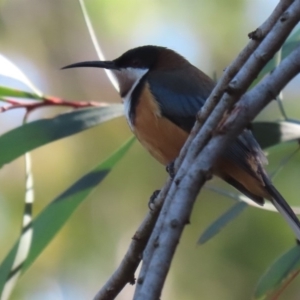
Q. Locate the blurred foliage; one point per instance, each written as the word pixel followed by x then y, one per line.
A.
pixel 48 223
pixel 41 37
pixel 288 263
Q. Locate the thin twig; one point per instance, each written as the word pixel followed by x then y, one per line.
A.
pixel 279 98
pixel 283 163
pixel 48 101
pixel 278 293
pixel 126 270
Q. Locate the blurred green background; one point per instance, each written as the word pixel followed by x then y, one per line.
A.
pixel 42 36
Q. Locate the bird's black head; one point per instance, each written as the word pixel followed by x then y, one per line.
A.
pixel 143 57
pixel 138 58
pixel 129 68
pixel 134 64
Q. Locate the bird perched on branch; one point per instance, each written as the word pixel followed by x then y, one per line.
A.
pixel 162 93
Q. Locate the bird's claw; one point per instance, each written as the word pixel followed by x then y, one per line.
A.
pixel 152 199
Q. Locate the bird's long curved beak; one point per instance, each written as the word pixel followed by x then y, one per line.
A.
pixel 110 65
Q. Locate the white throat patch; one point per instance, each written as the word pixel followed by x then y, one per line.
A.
pixel 128 79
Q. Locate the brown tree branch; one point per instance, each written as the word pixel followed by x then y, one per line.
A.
pixel 188 187
pixel 197 164
pixel 211 103
pixel 126 270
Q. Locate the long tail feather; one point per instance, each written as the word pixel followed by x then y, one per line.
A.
pixel 282 206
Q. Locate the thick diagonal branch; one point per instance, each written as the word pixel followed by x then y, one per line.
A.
pixel 125 272
pixel 211 103
pixel 199 161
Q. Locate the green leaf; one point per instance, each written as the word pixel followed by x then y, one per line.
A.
pixel 38 133
pixel 221 222
pixel 284 268
pixel 8 69
pixel 272 133
pixel 8 92
pixel 47 224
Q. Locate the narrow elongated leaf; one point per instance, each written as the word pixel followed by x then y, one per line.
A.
pixel 282 270
pixel 96 44
pixel 47 224
pixel 272 133
pixel 10 70
pixel 221 222
pixel 38 133
pixel 8 92
pixel 292 43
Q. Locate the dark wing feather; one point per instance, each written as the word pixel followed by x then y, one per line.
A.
pixel 180 96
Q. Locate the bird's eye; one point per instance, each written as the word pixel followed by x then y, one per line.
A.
pixel 135 62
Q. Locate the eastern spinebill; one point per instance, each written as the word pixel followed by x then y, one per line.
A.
pixel 162 93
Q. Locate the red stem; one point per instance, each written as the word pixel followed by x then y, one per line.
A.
pixel 48 101
pixel 277 294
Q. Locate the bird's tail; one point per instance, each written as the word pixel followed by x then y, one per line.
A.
pixel 282 206
pixel 288 215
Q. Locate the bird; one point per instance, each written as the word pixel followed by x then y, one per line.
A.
pixel 162 93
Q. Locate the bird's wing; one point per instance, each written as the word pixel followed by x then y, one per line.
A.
pixel 180 97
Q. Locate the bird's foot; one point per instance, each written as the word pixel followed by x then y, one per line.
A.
pixel 152 199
